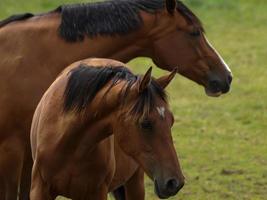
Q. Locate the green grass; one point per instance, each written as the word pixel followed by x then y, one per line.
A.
pixel 221 142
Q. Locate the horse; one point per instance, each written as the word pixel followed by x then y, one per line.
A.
pixel 92 102
pixel 35 48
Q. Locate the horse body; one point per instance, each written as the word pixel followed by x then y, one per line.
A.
pixel 21 86
pixel 33 53
pixel 71 163
pixel 63 147
pixel 74 153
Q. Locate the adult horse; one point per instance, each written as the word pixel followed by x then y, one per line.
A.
pixel 35 48
pixel 72 126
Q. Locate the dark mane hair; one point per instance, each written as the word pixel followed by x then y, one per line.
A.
pixel 117 17
pixel 86 81
pixel 189 15
pixel 13 18
pixel 108 18
pixel 112 17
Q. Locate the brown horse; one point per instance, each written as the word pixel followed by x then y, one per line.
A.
pixel 72 128
pixel 35 48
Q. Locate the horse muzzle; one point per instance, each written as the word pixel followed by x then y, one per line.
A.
pixel 168 188
pixel 217 87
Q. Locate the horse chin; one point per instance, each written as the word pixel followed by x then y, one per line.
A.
pixel 212 94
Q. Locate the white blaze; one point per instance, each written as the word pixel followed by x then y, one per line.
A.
pixel 222 60
pixel 161 111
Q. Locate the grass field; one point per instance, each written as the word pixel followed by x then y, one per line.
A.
pixel 221 142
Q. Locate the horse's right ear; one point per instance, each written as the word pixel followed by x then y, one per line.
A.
pixel 170 6
pixel 165 80
pixel 145 81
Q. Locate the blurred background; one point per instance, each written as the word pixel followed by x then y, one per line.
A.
pixel 221 142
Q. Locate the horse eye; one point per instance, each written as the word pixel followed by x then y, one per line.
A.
pixel 195 33
pixel 146 125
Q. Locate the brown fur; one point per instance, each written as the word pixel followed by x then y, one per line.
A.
pixel 74 153
pixel 32 55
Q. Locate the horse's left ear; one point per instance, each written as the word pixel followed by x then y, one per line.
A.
pixel 170 6
pixel 145 80
pixel 165 80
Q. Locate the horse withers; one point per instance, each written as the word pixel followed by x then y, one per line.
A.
pixel 90 104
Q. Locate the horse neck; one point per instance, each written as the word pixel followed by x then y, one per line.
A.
pixel 88 127
pixel 122 48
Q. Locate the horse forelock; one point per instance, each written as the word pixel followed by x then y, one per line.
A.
pixel 189 15
pixel 84 82
pixel 146 101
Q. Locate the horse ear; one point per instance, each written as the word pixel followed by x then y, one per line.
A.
pixel 145 80
pixel 165 80
pixel 170 6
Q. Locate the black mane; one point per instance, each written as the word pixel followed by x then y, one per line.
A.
pixel 13 18
pixel 86 81
pixel 108 18
pixel 189 15
pixel 113 17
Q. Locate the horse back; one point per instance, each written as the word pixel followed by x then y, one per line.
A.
pixel 13 18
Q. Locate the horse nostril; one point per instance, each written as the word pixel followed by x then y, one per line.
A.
pixel 173 186
pixel 226 88
pixel 230 78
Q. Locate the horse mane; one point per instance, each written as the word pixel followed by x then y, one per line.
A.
pixel 13 18
pixel 117 17
pixel 85 82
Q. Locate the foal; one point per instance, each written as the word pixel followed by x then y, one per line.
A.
pixel 90 104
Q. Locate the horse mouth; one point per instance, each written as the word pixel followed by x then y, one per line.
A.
pixel 213 94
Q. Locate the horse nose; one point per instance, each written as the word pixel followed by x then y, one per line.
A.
pixel 230 79
pixel 226 86
pixel 215 85
pixel 173 186
pixel 220 86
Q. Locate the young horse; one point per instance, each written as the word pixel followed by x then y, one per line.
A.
pixel 35 48
pixel 72 128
